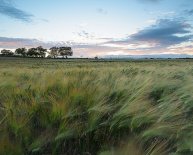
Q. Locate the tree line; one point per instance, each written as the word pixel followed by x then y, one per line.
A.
pixel 40 52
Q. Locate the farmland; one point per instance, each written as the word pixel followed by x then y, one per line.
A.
pixel 88 107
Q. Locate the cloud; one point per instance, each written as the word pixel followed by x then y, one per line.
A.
pixel 158 37
pixel 165 36
pixel 6 42
pixel 102 11
pixel 80 49
pixel 12 43
pixel 165 32
pixel 84 34
pixel 6 8
pixel 162 34
pixel 99 49
pixel 188 12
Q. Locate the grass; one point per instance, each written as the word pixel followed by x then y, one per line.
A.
pixel 99 108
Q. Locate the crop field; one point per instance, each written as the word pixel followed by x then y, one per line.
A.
pixel 84 107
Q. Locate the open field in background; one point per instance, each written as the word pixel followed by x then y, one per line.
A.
pixel 99 108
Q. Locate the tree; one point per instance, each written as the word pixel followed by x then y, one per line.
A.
pixel 32 52
pixel 41 51
pixel 54 52
pixel 65 51
pixel 21 51
pixel 7 52
pixel 37 52
pixel 96 58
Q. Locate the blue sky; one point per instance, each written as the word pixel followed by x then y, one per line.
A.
pixel 99 27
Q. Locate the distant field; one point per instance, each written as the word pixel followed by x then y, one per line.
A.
pixel 90 107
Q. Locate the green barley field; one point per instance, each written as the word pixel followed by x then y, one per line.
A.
pixel 87 107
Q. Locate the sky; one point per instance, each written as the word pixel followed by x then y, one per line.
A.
pixel 99 27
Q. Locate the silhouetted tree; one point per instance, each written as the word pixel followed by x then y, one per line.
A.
pixel 41 51
pixel 65 51
pixel 37 52
pixel 21 51
pixel 96 58
pixel 7 52
pixel 54 52
pixel 32 52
